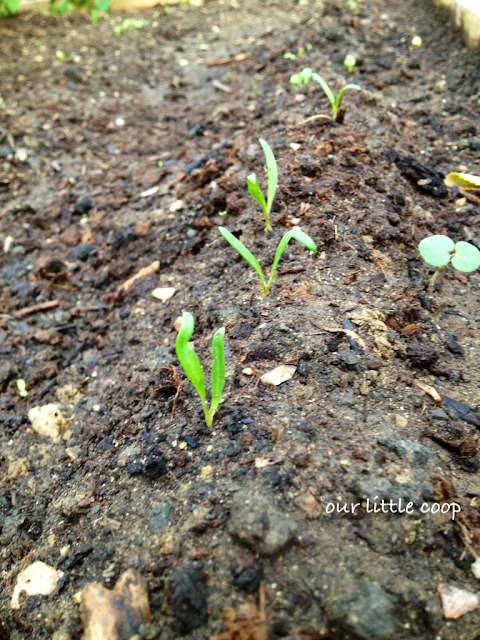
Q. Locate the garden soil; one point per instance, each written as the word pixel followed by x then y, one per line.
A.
pixel 119 154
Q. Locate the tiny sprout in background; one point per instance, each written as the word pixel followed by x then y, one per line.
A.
pixel 289 56
pixel 254 187
pixel 416 42
pixel 309 47
pixel 60 55
pixel 307 74
pixel 222 213
pixel 440 251
pixel 350 62
pixel 301 51
pixel 352 4
pixel 160 164
pixel 22 388
pixel 131 23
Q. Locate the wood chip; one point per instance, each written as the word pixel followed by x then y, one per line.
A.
pixel 164 293
pixel 432 392
pixel 261 463
pixel 238 58
pixel 152 268
pixel 280 374
pixel 42 306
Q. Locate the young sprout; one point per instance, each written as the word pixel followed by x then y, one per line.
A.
pixel 60 55
pixel 299 235
pixel 307 74
pixel 289 56
pixel 440 251
pixel 254 187
pixel 350 62
pixel 352 4
pixel 22 388
pixel 192 367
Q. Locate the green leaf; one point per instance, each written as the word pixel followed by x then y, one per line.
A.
pixel 218 369
pixel 11 5
pixel 289 56
pixel 255 191
pixel 188 358
pixel 22 388
pixel 60 55
pixel 297 234
pixel 325 87
pixel 341 92
pixel 466 258
pixel 295 79
pixel 103 5
pixel 243 251
pixel 463 181
pixel 306 75
pixel 272 172
pixel 436 250
pixel 350 61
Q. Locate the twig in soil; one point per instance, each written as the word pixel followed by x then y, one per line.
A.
pixel 311 119
pixel 283 272
pixel 238 58
pixel 41 306
pixel 467 540
pixel 177 381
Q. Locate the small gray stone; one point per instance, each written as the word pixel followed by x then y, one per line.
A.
pixel 438 413
pixel 348 359
pixel 191 233
pixel 256 522
pixel 374 362
pixel 161 516
pixel 127 455
pixel 413 452
pixel 366 613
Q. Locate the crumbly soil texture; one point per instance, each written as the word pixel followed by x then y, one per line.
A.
pixel 123 153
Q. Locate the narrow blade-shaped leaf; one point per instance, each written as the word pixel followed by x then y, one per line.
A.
pixel 255 191
pixel 341 92
pixel 299 235
pixel 187 356
pixel 325 87
pixel 218 369
pixel 243 251
pixel 272 172
pixel 436 250
pixel 466 258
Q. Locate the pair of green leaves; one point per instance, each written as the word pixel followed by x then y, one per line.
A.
pixel 272 176
pixel 307 74
pixel 253 262
pixel 439 251
pixel 192 367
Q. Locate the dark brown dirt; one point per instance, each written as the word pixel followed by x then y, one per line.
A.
pixel 80 142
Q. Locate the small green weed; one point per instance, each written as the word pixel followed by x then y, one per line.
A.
pixel 440 251
pixel 272 175
pixel 297 234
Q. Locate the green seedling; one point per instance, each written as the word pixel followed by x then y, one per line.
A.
pixel 272 175
pixel 350 62
pixel 222 213
pixel 160 164
pixel 309 47
pixel 192 367
pixel 289 56
pixel 130 23
pixel 307 74
pixel 297 234
pixel 60 55
pixel 22 388
pixel 440 251
pixel 352 4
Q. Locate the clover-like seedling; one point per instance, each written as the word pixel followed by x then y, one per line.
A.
pixel 440 251
pixel 299 235
pixel 350 62
pixel 307 74
pixel 289 56
pixel 192 367
pixel 272 174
